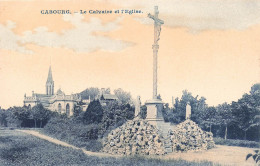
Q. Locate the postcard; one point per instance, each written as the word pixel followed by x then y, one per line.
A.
pixel 110 82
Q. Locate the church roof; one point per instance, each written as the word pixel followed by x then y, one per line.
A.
pixel 59 92
pixel 40 95
pixel 49 79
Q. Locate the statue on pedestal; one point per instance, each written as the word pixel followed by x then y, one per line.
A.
pixel 137 106
pixel 188 111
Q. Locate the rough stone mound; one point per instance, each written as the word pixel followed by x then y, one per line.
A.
pixel 134 137
pixel 188 136
pixel 139 137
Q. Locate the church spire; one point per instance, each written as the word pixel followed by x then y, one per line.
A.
pixel 49 84
pixel 49 79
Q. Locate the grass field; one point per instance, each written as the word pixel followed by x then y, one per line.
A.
pixel 240 143
pixel 18 148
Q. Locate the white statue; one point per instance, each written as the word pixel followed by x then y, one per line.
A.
pixel 137 106
pixel 188 111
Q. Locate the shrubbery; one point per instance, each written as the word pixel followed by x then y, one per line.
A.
pixel 74 132
pixel 24 116
pixel 115 115
pixel 233 142
pixel 94 113
pixel 87 128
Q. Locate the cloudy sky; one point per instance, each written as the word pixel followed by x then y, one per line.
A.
pixel 210 48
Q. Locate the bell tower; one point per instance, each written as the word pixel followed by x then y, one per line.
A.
pixel 49 84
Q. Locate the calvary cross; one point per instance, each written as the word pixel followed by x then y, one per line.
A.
pixel 157 30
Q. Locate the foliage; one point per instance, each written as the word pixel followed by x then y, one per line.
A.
pixel 78 113
pixel 25 117
pixel 167 112
pixel 246 110
pixel 94 113
pixel 143 111
pixel 123 97
pixel 240 119
pixel 209 118
pixel 255 156
pixel 224 116
pixel 115 115
pixel 3 118
pixel 74 132
pixel 39 113
pixel 85 129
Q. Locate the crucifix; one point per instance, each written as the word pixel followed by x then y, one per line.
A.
pixel 157 31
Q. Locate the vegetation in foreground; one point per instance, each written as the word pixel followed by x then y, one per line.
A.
pixel 20 149
pixel 255 156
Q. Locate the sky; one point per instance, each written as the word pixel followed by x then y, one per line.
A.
pixel 210 48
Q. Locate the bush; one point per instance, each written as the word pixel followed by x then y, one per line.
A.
pixel 115 115
pixel 94 113
pixel 74 132
pixel 233 142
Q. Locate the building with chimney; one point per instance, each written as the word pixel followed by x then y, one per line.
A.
pixel 59 101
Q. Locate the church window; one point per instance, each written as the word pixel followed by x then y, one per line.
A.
pixel 68 110
pixel 59 108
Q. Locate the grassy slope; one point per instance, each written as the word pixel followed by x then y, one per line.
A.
pixel 20 149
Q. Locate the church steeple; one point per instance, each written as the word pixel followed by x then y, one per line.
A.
pixel 49 84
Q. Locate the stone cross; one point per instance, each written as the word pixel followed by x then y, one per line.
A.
pixel 188 111
pixel 157 31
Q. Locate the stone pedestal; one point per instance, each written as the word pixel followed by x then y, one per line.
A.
pixel 154 111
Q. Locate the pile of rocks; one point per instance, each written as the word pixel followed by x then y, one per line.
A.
pixel 139 137
pixel 188 136
pixel 134 137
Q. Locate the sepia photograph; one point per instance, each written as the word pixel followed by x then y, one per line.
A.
pixel 129 82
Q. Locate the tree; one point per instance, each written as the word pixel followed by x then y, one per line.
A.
pixel 39 113
pixel 225 116
pixel 3 118
pixel 123 97
pixel 247 110
pixel 143 112
pixel 167 113
pixel 197 106
pixel 255 89
pixel 115 112
pixel 209 117
pixel 94 113
pixel 77 113
pixel 20 113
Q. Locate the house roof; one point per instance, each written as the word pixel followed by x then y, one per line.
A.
pixel 109 97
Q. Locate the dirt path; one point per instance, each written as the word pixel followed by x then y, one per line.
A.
pixel 58 142
pixel 224 155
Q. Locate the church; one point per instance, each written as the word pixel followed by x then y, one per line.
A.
pixel 59 101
